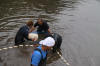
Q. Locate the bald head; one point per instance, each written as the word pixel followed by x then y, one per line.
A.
pixel 40 21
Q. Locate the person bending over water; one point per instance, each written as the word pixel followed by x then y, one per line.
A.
pixel 23 32
pixel 43 27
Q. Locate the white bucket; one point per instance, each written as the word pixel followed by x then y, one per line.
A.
pixel 33 36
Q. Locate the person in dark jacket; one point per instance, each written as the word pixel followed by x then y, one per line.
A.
pixel 40 53
pixel 58 40
pixel 43 27
pixel 23 32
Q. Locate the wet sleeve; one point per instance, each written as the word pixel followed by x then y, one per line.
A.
pixel 46 26
pixel 36 57
pixel 36 24
pixel 26 31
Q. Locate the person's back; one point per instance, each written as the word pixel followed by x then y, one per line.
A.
pixel 39 57
pixel 58 40
pixel 21 34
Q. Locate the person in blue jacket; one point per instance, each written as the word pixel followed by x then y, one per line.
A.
pixel 23 32
pixel 40 53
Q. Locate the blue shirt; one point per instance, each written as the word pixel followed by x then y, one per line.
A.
pixel 36 56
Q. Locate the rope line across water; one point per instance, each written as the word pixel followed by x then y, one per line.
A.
pixel 11 47
pixel 15 47
pixel 65 61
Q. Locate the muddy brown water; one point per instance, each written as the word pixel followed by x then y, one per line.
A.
pixel 77 21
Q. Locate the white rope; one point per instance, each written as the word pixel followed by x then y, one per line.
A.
pixel 65 61
pixel 11 47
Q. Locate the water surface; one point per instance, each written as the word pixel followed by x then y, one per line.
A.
pixel 77 21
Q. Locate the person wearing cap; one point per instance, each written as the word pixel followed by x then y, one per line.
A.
pixel 40 53
pixel 43 27
pixel 23 32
